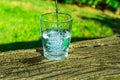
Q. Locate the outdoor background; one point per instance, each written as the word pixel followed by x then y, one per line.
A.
pixel 20 23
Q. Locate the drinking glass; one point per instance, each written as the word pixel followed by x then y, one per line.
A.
pixel 55 34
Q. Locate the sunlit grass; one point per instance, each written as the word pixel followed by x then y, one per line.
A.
pixel 19 20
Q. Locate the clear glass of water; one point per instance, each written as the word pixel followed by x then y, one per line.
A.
pixel 55 34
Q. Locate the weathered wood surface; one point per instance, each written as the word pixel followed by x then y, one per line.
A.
pixel 88 60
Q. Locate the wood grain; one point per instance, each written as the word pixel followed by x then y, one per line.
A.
pixel 97 59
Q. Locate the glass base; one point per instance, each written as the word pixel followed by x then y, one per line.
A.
pixel 58 56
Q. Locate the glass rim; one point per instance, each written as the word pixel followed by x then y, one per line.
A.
pixel 68 20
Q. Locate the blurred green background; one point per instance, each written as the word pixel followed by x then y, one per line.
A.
pixel 20 24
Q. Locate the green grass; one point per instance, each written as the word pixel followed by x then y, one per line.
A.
pixel 19 20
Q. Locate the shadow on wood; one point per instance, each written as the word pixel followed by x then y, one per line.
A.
pixel 30 44
pixel 91 62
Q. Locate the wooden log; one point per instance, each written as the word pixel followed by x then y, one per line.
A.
pixel 97 59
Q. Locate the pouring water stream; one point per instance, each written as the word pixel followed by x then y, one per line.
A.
pixel 56 13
